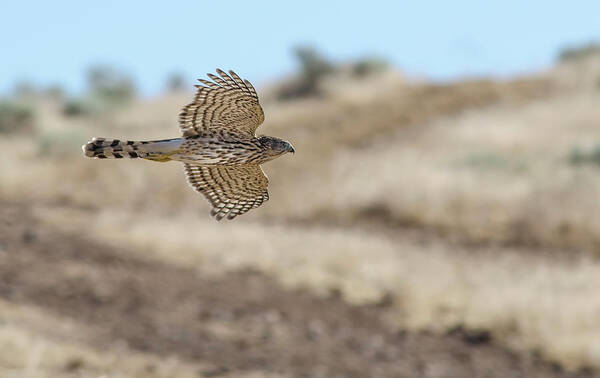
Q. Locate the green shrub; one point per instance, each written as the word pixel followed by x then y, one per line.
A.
pixel 578 156
pixel 568 54
pixel 369 65
pixel 15 117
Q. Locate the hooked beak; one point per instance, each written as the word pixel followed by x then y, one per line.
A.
pixel 291 149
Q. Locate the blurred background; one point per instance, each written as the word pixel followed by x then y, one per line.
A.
pixel 440 218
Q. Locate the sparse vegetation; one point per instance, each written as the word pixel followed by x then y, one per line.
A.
pixel 110 85
pixel 15 117
pixel 107 89
pixel 313 68
pixel 369 65
pixel 579 156
pixel 77 108
pixel 579 52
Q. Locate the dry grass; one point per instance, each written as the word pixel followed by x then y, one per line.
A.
pixel 33 346
pixel 497 175
pixel 481 161
pixel 528 301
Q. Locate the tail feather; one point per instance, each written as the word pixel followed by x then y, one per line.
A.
pixel 102 148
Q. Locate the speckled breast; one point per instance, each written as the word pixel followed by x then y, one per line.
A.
pixel 219 149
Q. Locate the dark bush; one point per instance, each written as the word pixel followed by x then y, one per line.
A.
pixel 369 65
pixel 569 54
pixel 313 67
pixel 591 156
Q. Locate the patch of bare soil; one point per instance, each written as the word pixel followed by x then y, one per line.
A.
pixel 239 322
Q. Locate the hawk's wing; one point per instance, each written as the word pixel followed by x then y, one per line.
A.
pixel 231 190
pixel 225 103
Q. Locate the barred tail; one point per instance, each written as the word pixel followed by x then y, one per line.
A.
pixel 158 150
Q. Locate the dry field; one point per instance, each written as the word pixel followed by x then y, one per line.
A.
pixel 420 230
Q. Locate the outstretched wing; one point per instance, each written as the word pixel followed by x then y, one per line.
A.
pixel 225 103
pixel 231 190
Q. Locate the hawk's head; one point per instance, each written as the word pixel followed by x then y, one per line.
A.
pixel 275 146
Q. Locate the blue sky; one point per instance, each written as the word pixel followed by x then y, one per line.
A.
pixel 55 41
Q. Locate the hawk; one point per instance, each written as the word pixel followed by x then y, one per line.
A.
pixel 219 149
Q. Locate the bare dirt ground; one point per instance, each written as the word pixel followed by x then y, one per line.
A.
pixel 235 323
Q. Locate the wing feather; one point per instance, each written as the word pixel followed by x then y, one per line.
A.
pixel 208 84
pixel 218 80
pixel 250 87
pixel 227 103
pixel 231 190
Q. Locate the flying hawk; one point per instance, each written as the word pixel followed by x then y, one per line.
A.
pixel 219 149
